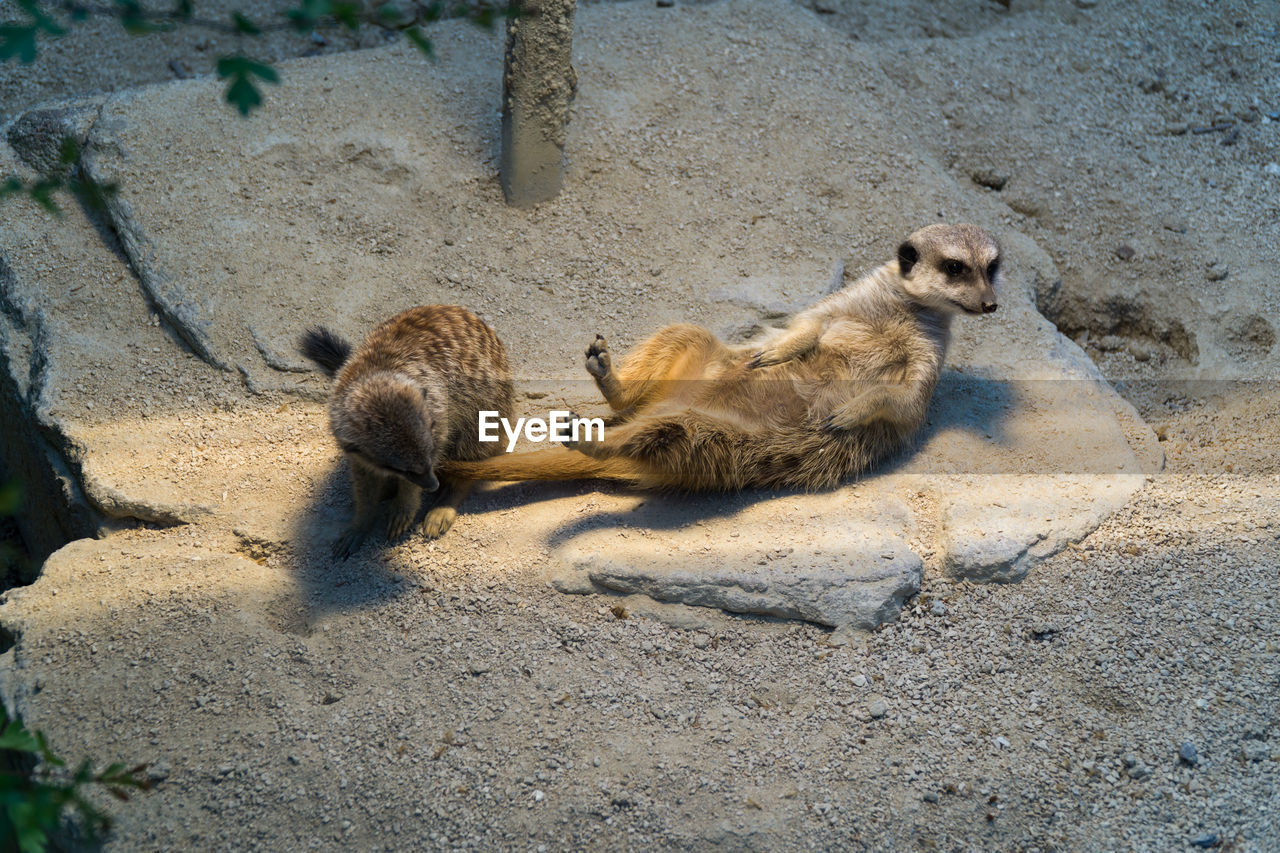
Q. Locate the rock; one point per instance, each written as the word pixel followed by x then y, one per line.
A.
pixel 1125 252
pixel 989 178
pixel 1272 168
pixel 859 680
pixel 877 709
pixel 1205 841
pixel 1255 751
pixel 930 797
pixel 1216 270
pixel 849 567
pixel 1187 754
pixel 38 135
pixel 938 608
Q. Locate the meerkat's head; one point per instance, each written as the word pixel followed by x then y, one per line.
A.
pixel 951 268
pixel 382 422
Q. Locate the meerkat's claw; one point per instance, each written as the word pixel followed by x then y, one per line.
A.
pixel 399 523
pixel 759 360
pixel 831 423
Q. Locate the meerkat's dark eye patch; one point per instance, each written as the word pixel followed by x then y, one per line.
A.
pixel 993 269
pixel 954 268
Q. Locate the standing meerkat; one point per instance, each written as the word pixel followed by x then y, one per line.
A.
pixel 846 383
pixel 406 400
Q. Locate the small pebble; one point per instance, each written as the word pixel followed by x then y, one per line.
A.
pixel 877 709
pixel 859 680
pixel 1138 772
pixel 1272 169
pixel 938 609
pixel 1216 271
pixel 1125 252
pixel 1206 840
pixel 930 797
pixel 1187 754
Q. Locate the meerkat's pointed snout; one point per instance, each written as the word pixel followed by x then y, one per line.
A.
pixel 989 307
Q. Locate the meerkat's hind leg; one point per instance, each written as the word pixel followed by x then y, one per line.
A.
pixel 441 516
pixel 600 366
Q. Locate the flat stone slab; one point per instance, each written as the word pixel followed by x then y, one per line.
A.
pixel 693 192
pixel 844 559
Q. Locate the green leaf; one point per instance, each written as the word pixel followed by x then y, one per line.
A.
pixel 27 827
pixel 348 14
pixel 244 25
pixel 17 40
pixel 42 194
pixel 93 194
pixel 134 18
pixel 390 14
pixel 39 19
pixel 307 15
pixel 70 154
pixel 46 753
pixel 421 42
pixel 16 737
pixel 239 71
pixel 243 95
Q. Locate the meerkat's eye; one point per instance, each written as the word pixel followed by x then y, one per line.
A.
pixel 954 268
pixel 992 269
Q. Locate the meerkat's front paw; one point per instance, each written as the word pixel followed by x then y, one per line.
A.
pixel 400 521
pixel 570 442
pixel 348 543
pixel 598 362
pixel 845 419
pixel 438 521
pixel 765 357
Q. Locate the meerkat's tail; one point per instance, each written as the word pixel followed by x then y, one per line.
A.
pixel 550 464
pixel 325 348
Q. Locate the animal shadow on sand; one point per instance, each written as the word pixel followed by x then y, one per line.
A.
pixel 330 584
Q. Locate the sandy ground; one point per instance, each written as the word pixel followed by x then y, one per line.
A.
pixel 1044 715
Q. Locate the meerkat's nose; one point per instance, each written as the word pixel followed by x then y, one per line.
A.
pixel 989 307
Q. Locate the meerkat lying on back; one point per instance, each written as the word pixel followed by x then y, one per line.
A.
pixel 407 399
pixel 847 382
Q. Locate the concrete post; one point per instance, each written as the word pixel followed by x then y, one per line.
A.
pixel 538 85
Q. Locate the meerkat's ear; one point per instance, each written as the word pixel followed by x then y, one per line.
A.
pixel 907 257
